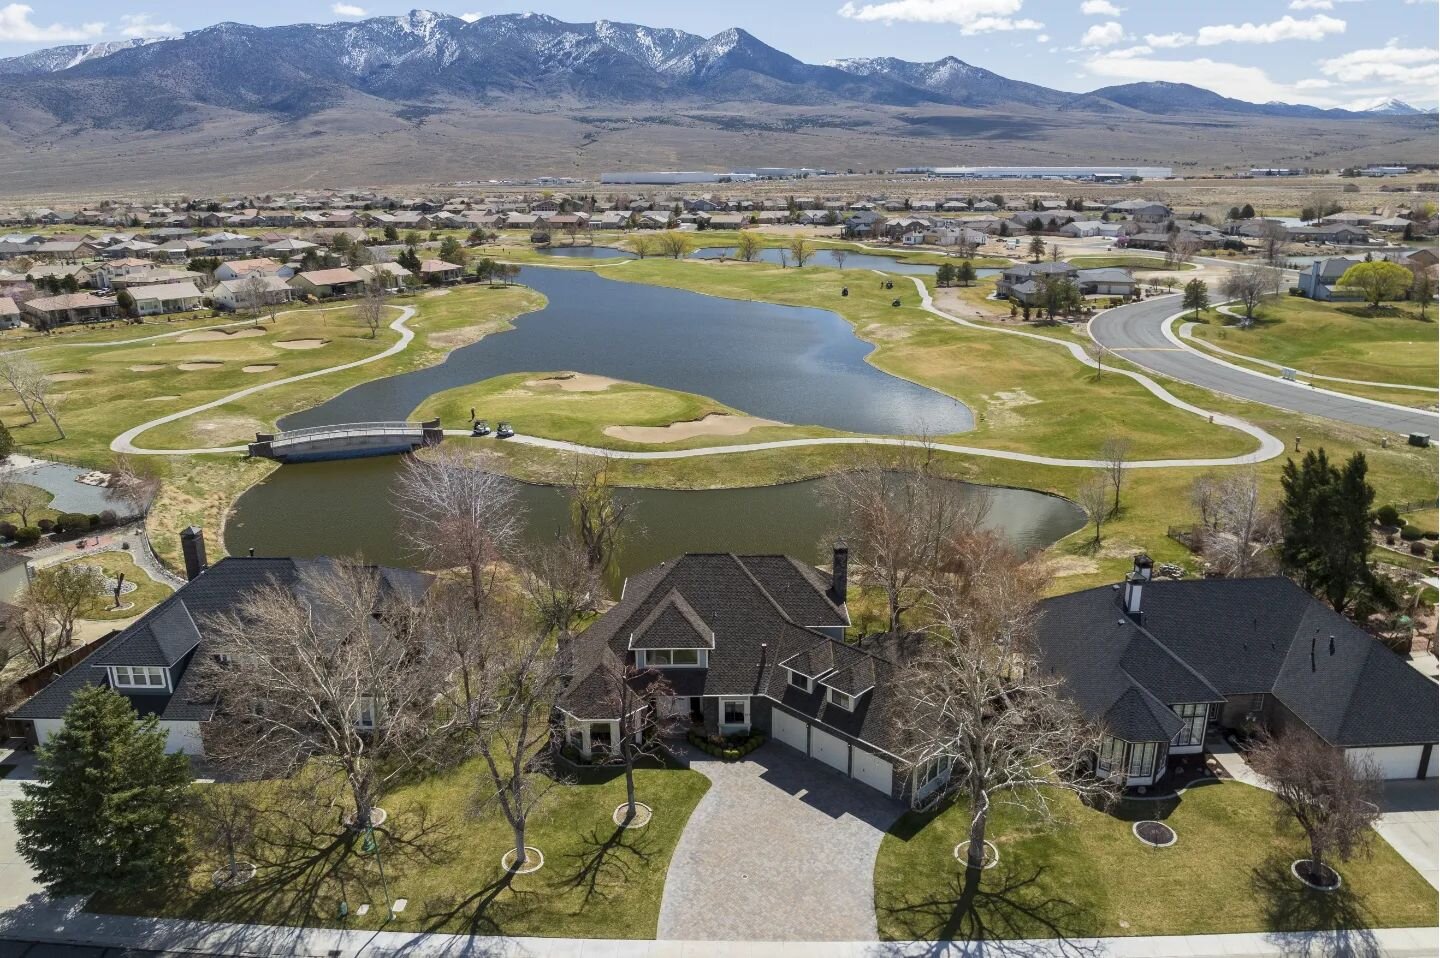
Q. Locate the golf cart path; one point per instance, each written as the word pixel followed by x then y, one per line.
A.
pixel 1269 446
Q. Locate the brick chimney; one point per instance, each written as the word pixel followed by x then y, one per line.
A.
pixel 840 572
pixel 192 546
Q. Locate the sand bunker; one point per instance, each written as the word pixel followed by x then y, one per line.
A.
pixel 575 382
pixel 65 377
pixel 258 368
pixel 302 343
pixel 146 368
pixel 161 398
pixel 715 424
pixel 219 335
pixel 199 367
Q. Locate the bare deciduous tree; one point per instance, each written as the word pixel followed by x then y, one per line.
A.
pixel 559 581
pixel 1093 497
pixel 979 704
pixel 1272 242
pixel 597 514
pixel 642 245
pixel 1116 453
pixel 1250 284
pixel 839 254
pixel 22 499
pixel 371 307
pixel 801 251
pixel 502 680
pixel 635 695
pixel 333 671
pixel 254 293
pixel 222 820
pixel 1182 248
pixel 63 593
pixel 1205 497
pixel 19 371
pixel 135 482
pixel 1241 530
pixel 901 523
pixel 1334 797
pixel 674 244
pixel 456 512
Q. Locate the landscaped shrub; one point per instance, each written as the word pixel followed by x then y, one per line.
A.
pixel 108 518
pixel 27 535
pixel 1417 548
pixel 1387 516
pixel 1429 534
pixel 94 520
pixel 72 523
pixel 731 754
pixel 1411 534
pixel 45 525
pixel 7 530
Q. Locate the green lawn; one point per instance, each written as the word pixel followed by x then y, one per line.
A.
pixel 539 403
pixel 141 600
pixel 598 881
pixel 33 515
pixel 1138 263
pixel 1392 345
pixel 1088 875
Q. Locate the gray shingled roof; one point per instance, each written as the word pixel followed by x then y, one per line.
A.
pixel 1199 641
pixel 672 624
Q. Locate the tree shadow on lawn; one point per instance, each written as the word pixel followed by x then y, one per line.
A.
pixel 472 915
pixel 1309 923
pixel 604 861
pixel 1000 907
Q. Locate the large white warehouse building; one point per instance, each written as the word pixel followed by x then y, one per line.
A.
pixel 1053 172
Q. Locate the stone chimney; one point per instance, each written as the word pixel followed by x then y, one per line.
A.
pixel 840 572
pixel 1144 567
pixel 192 546
pixel 1135 584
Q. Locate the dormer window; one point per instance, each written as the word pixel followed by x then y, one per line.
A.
pixel 801 681
pixel 671 658
pixel 841 699
pixel 138 677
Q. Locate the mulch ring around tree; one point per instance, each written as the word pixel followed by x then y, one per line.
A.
pixel 228 877
pixel 641 818
pixel 1155 834
pixel 378 816
pixel 534 861
pixel 1323 878
pixel 992 854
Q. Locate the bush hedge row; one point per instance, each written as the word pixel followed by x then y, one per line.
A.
pixel 732 750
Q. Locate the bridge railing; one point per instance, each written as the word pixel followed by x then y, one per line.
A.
pixel 312 433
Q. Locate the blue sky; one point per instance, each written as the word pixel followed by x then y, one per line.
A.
pixel 1327 52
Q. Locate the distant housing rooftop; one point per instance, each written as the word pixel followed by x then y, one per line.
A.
pixel 1054 172
pixel 668 177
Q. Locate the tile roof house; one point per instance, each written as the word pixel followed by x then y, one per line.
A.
pixel 47 311
pixel 166 298
pixel 152 661
pixel 236 294
pixel 325 283
pixel 1156 663
pixel 747 643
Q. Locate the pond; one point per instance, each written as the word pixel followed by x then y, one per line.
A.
pixel 791 364
pixel 826 257
pixel 343 508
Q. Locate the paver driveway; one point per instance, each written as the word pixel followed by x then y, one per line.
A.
pixel 782 847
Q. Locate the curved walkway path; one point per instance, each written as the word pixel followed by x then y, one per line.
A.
pixel 1143 333
pixel 1187 334
pixel 125 442
pixel 1269 446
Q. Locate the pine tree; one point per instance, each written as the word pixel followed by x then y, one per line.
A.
pixel 965 273
pixel 1197 296
pixel 104 817
pixel 7 443
pixel 1325 516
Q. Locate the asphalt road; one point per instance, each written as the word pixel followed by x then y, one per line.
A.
pixel 1136 333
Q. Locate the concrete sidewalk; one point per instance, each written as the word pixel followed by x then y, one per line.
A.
pixel 62 923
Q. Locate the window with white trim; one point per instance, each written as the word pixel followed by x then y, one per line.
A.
pixel 365 713
pixel 800 680
pixel 931 770
pixel 734 711
pixel 138 676
pixel 671 658
pixel 843 700
pixel 1112 753
pixel 1142 759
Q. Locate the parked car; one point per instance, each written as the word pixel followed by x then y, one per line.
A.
pixel 504 431
pixel 481 428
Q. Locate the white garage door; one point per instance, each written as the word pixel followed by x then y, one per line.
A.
pixel 1396 761
pixel 870 769
pixel 788 729
pixel 829 749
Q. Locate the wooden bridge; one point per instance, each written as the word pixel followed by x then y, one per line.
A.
pixel 349 440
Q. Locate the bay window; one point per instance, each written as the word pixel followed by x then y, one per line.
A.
pixel 1142 760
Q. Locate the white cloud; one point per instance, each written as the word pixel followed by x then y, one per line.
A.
pixel 1312 4
pixel 1135 51
pixel 1103 35
pixel 1286 28
pixel 971 16
pixel 1169 40
pixel 1391 64
pixel 143 25
pixel 471 17
pixel 347 10
pixel 1042 38
pixel 17 27
pixel 1099 8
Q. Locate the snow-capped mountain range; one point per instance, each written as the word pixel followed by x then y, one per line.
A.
pixel 299 70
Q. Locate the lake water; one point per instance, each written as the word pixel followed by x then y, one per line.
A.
pixel 343 508
pixel 585 252
pixel 792 364
pixel 826 257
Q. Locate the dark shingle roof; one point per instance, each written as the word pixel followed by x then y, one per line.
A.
pixel 1199 641
pixel 672 624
